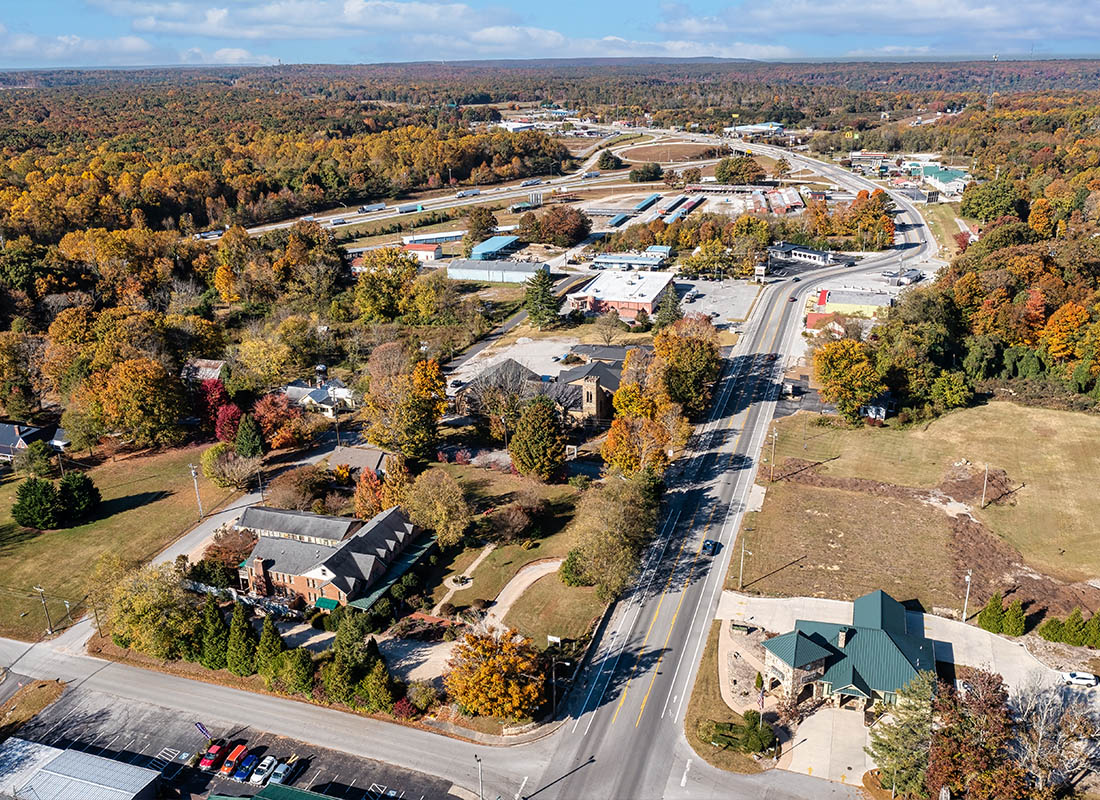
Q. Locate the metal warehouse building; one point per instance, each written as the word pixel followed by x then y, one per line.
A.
pixel 461 269
pixel 493 247
pixel 76 775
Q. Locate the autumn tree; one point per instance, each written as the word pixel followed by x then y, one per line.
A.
pixel 847 376
pixel 636 444
pixel 149 610
pixel 142 401
pixel 688 352
pixel 272 412
pixel 404 407
pixel 739 170
pixel 539 300
pixel 437 502
pixel 1041 218
pixel 1064 330
pixel 385 280
pixel 496 675
pixel 564 226
pixel 537 446
pixel 226 422
pixel 367 499
pixel 209 398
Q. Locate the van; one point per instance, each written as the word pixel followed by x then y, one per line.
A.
pixel 234 760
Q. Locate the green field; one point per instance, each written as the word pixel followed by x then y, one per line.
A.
pixel 148 502
pixel 1051 459
pixel 941 219
pixel 550 607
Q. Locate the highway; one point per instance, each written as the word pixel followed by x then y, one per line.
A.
pixel 621 735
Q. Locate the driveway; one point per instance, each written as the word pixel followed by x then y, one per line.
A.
pixel 515 588
pixel 829 744
pixel 955 642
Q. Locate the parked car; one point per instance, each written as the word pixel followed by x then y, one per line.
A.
pixel 1080 679
pixel 285 772
pixel 248 763
pixel 213 756
pixel 234 760
pixel 264 770
pixel 710 547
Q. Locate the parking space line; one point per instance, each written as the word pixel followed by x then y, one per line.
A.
pixel 103 748
pixel 47 731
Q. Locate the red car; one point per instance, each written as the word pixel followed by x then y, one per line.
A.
pixel 212 757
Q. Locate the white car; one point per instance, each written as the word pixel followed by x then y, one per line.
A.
pixel 1079 679
pixel 264 770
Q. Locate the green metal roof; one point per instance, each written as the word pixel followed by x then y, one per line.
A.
pixel 327 603
pixel 275 791
pixel 796 649
pixel 413 553
pixel 879 610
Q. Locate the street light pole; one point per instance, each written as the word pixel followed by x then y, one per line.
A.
pixel 45 608
pixel 741 571
pixel 480 786
pixel 775 435
pixel 195 480
pixel 966 600
pixel 335 412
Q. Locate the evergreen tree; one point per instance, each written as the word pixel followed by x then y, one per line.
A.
pixel 338 681
pixel 1073 632
pixel 241 653
pixel 294 671
pixel 1052 630
pixel 901 745
pixel 77 496
pixel 1014 623
pixel 249 442
pixel 991 618
pixel 538 446
pixel 270 648
pixel 215 635
pixel 376 692
pixel 350 643
pixel 1092 632
pixel 668 311
pixel 36 504
pixel 540 301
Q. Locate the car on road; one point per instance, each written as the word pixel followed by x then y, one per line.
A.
pixel 285 772
pixel 710 547
pixel 244 771
pixel 234 760
pixel 792 299
pixel 795 279
pixel 213 756
pixel 264 770
pixel 1079 679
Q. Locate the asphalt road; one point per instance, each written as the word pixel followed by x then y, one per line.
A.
pixel 622 735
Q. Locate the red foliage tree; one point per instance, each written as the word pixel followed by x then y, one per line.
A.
pixel 211 396
pixel 225 426
pixel 273 412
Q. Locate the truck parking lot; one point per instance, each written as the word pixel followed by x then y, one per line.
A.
pixel 155 737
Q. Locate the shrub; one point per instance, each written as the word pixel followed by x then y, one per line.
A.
pixel 78 496
pixel 991 618
pixel 36 504
pixel 404 709
pixel 1015 622
pixel 757 735
pixel 423 695
pixel 462 457
pixel 447 610
pixel 572 571
pixel 581 482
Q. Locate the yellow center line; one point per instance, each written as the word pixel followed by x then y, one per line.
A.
pixel 691 572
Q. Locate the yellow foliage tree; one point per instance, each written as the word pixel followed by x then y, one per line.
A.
pixel 496 676
pixel 1064 330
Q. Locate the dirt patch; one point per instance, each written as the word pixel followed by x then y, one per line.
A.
pixel 26 703
pixel 667 152
pixel 996 564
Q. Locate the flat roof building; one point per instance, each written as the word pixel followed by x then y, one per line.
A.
pixel 424 251
pixel 796 252
pixel 625 292
pixel 493 247
pixel 854 303
pixel 76 775
pixel 489 271
pixel 629 261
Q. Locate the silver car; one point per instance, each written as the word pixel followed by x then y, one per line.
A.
pixel 264 770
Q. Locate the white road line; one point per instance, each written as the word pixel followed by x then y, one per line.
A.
pixel 684 779
pixel 47 731
pixel 520 792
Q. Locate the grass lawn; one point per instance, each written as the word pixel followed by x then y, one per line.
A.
pixel 1050 455
pixel 706 703
pixel 148 502
pixel 488 489
pixel 551 607
pixel 25 705
pixel 823 542
pixel 941 219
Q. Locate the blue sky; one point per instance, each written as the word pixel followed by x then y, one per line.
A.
pixel 57 33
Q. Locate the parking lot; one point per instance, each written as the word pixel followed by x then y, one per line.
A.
pixel 155 737
pixel 730 300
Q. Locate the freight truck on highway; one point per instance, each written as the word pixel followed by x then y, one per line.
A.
pixel 410 208
pixel 469 193
pixel 371 207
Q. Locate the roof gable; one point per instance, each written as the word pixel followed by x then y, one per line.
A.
pixel 879 610
pixel 797 649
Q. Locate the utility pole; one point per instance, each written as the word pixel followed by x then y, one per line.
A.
pixel 45 609
pixel 966 600
pixel 335 412
pixel 198 498
pixel 985 483
pixel 741 571
pixel 775 435
pixel 480 786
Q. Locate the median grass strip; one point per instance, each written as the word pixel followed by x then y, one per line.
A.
pixel 1050 457
pixel 148 502
pixel 706 704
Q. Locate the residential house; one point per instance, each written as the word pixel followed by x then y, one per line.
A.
pixel 17 436
pixel 197 370
pixel 425 251
pixel 360 458
pixel 327 572
pixel 867 661
pixel 322 396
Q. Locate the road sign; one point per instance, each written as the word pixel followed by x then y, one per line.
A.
pixel 553 639
pixel 203 730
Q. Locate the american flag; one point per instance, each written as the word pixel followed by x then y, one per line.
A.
pixel 760 700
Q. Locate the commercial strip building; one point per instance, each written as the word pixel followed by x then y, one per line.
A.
pixel 495 271
pixel 625 292
pixel 646 260
pixel 946 180
pixel 796 252
pixel 494 247
pixel 867 661
pixel 32 771
pixel 854 303
pixel 424 251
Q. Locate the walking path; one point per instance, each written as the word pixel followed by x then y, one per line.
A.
pixel 453 586
pixel 519 584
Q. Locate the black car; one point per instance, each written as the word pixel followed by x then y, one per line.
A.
pixel 710 547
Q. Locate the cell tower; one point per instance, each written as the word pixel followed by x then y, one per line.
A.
pixel 989 100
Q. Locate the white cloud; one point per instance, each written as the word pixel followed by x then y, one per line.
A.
pixel 891 51
pixel 69 50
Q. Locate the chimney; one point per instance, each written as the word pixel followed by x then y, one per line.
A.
pixel 842 637
pixel 259 577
